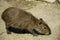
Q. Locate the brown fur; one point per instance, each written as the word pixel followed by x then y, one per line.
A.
pixel 21 19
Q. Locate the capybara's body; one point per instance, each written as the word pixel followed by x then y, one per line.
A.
pixel 20 19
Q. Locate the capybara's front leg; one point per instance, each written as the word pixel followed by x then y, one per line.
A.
pixel 32 31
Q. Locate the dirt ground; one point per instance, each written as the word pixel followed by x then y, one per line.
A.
pixel 50 12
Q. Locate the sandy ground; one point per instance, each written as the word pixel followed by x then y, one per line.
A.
pixel 49 12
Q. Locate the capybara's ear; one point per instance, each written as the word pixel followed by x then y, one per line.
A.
pixel 40 20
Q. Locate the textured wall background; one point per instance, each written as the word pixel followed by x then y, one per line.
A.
pixel 50 12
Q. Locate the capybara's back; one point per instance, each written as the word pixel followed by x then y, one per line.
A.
pixel 20 19
pixel 16 17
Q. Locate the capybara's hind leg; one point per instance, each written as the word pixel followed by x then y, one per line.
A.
pixel 8 31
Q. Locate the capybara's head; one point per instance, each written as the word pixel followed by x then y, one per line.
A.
pixel 43 28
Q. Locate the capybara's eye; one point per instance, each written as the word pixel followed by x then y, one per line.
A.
pixel 40 23
pixel 44 27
